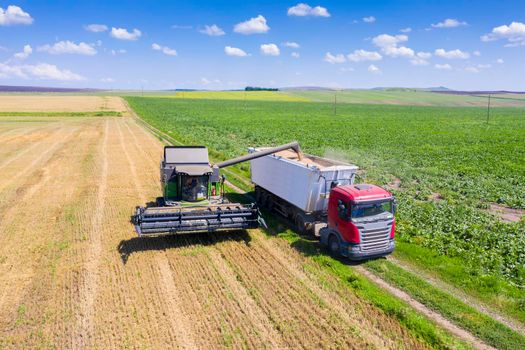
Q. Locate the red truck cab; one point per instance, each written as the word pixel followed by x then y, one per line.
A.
pixel 361 222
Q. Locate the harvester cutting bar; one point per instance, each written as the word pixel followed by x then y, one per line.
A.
pixel 156 221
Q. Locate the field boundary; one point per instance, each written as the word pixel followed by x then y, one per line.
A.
pixel 433 316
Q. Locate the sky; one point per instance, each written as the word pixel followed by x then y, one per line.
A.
pixel 464 45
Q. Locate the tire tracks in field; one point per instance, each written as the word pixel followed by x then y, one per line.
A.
pixel 83 331
pixel 179 324
pixel 331 299
pixel 422 309
pixel 461 295
pixel 246 302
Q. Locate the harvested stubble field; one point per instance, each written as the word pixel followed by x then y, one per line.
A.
pixel 73 274
pixel 45 103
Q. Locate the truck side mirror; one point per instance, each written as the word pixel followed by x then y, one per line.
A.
pixel 394 206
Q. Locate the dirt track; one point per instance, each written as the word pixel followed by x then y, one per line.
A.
pixel 73 274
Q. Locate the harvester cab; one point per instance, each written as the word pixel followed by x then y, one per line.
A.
pixel 187 178
pixel 193 195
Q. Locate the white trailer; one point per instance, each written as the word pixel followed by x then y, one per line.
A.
pixel 298 185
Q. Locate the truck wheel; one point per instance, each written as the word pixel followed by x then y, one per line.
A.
pixel 269 202
pixel 300 224
pixel 334 246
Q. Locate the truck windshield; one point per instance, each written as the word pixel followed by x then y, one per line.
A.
pixel 362 210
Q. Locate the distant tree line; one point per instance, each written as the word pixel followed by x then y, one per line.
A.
pixel 255 88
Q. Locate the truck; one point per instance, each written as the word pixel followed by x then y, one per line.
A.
pixel 320 197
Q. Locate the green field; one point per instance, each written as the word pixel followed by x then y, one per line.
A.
pixel 410 97
pixel 450 163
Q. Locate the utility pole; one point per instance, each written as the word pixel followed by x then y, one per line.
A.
pixel 488 110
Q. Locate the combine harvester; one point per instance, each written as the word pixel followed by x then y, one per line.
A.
pixel 318 194
pixel 193 195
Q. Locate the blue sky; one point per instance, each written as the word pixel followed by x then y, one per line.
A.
pixel 230 44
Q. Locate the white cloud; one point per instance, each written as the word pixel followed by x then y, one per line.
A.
pixel 513 33
pixel 107 80
pixel 295 54
pixel 500 61
pixel 339 58
pixel 346 69
pixel 28 50
pixel 291 44
pixel 270 50
pixel 449 23
pixel 14 15
pixel 385 40
pixel 116 52
pixel 51 72
pixel 234 51
pixel 164 49
pixel 424 55
pixel 484 66
pixel 7 71
pixel 362 55
pixel 452 54
pixel 389 45
pixel 472 70
pixel 303 10
pixel 68 47
pixel 43 71
pixel 406 30
pixel 476 53
pixel 443 66
pixel 402 51
pixel 96 28
pixel 255 25
pixel 123 34
pixel 370 19
pixel 373 69
pixel 420 59
pixel 213 30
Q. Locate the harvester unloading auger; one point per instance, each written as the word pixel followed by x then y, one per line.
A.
pixel 193 195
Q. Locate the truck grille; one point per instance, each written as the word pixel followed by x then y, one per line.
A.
pixel 375 239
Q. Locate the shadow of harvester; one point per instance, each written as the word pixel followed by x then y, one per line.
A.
pixel 176 241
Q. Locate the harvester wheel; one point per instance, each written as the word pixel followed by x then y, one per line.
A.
pixel 258 195
pixel 160 202
pixel 334 246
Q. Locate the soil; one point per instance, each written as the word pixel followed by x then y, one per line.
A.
pixel 507 214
